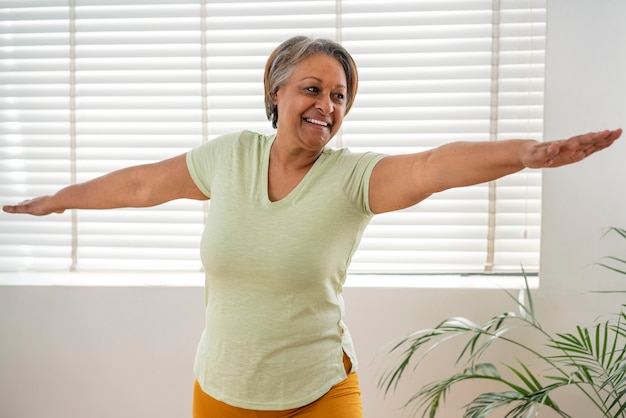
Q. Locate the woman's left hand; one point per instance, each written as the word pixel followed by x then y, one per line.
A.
pixel 568 151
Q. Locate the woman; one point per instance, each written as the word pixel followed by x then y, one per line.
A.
pixel 286 216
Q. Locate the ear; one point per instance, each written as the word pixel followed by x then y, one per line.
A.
pixel 275 96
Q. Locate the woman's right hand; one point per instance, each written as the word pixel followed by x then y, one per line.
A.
pixel 38 206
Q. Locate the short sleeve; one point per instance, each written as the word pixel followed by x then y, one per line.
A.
pixel 360 168
pixel 203 161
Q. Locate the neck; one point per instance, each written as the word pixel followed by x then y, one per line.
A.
pixel 290 158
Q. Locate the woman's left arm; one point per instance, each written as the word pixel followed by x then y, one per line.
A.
pixel 400 181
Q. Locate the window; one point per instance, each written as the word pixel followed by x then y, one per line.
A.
pixel 89 86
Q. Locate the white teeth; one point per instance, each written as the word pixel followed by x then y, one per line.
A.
pixel 317 122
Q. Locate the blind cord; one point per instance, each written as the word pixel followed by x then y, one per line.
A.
pixel 72 116
pixel 493 130
pixel 204 93
pixel 339 38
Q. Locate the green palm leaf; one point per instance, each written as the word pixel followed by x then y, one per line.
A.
pixel 592 360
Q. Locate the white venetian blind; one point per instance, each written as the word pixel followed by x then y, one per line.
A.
pixel 89 86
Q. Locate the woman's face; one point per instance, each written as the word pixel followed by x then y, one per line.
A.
pixel 312 104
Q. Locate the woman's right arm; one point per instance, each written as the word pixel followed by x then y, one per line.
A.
pixel 137 186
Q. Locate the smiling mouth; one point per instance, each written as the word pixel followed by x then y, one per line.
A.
pixel 317 122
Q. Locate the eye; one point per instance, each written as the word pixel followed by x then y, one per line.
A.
pixel 340 97
pixel 312 89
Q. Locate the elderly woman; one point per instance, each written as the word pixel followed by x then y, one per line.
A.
pixel 286 216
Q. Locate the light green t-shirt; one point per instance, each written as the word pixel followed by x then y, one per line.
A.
pixel 274 335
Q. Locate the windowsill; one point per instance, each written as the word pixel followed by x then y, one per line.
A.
pixel 191 279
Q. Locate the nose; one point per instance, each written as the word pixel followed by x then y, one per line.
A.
pixel 324 105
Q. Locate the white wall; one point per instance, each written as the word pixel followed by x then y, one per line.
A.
pixel 75 352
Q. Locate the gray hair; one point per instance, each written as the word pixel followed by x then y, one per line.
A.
pixel 283 61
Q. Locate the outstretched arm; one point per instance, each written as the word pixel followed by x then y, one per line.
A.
pixel 401 181
pixel 138 186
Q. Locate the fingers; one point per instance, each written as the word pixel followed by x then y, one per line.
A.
pixel 601 140
pixel 608 134
pixel 592 141
pixel 21 207
pixel 610 137
pixel 577 148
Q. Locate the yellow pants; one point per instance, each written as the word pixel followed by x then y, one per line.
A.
pixel 341 401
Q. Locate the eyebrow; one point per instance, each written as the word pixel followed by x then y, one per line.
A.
pixel 320 80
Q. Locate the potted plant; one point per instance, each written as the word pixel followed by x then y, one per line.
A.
pixel 592 360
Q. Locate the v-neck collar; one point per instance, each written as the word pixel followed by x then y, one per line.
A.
pixel 296 190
